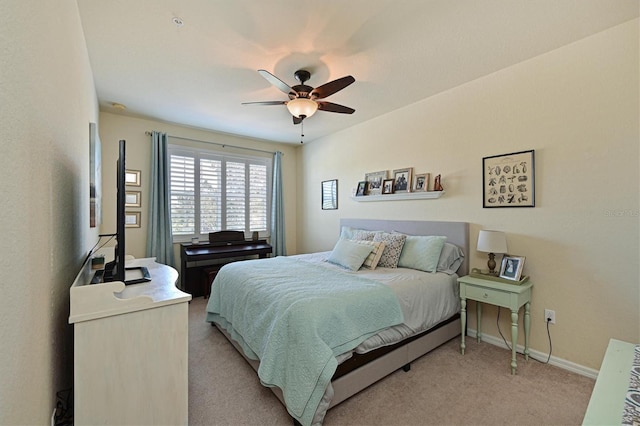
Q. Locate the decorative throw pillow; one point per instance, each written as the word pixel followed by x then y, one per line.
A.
pixel 374 257
pixel 349 254
pixel 363 235
pixel 451 258
pixel 421 252
pixel 346 233
pixel 392 248
pixel 349 233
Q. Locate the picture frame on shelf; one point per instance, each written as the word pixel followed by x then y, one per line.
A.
pixel 374 182
pixel 511 267
pixel 329 194
pixel 362 187
pixel 387 186
pixel 132 219
pixel 132 177
pixel 508 180
pixel 402 179
pixel 133 199
pixel 421 182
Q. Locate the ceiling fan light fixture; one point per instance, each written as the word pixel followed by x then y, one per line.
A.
pixel 302 107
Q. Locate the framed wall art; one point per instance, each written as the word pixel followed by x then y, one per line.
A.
pixel 508 180
pixel 374 182
pixel 132 199
pixel 402 179
pixel 329 194
pixel 132 219
pixel 95 177
pixel 132 177
pixel 362 186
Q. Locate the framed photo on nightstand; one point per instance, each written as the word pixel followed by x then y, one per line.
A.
pixel 511 267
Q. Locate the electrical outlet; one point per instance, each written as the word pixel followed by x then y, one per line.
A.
pixel 550 316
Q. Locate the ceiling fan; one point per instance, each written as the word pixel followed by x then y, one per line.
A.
pixel 303 100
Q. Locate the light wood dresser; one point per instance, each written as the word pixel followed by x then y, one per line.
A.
pixel 130 349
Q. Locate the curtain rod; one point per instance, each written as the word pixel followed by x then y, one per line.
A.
pixel 223 145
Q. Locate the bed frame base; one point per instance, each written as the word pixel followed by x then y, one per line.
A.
pixel 368 374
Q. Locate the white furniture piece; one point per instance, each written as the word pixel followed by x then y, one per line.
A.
pixel 606 405
pixel 130 349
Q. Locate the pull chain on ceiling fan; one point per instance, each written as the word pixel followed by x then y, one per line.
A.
pixel 303 100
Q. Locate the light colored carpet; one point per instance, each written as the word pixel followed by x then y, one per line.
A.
pixel 442 388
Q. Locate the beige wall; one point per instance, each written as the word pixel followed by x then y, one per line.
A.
pixel 114 127
pixel 48 100
pixel 577 107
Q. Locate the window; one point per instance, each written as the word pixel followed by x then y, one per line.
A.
pixel 210 192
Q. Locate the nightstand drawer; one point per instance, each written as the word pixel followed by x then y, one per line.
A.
pixel 495 297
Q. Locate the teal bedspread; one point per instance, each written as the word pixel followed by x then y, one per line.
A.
pixel 296 317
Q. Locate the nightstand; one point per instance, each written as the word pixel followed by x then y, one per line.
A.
pixel 511 296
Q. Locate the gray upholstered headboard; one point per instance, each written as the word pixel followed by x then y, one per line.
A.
pixel 456 232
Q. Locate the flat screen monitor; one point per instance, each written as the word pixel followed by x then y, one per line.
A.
pixel 115 270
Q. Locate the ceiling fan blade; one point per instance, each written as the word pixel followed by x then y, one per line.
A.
pixel 331 87
pixel 331 107
pixel 297 120
pixel 277 82
pixel 265 103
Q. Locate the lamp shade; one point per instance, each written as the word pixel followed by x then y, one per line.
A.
pixel 492 242
pixel 302 107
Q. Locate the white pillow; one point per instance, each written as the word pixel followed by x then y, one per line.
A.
pixel 421 252
pixel 451 258
pixel 374 257
pixel 349 254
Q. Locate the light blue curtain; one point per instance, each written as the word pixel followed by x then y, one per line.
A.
pixel 277 208
pixel 159 238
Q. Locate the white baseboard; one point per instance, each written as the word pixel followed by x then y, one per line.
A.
pixel 540 356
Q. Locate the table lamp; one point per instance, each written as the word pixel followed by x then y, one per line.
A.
pixel 492 242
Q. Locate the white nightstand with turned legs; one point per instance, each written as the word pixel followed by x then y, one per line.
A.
pixel 511 296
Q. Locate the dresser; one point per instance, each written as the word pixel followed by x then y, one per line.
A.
pixel 130 349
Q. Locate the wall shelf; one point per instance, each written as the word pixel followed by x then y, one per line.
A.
pixel 428 195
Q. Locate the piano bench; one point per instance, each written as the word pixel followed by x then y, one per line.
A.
pixel 208 275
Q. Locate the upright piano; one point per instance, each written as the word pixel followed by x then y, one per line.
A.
pixel 197 270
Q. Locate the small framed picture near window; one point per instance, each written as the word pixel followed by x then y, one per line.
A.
pixel 387 186
pixel 402 179
pixel 508 180
pixel 132 199
pixel 374 182
pixel 132 219
pixel 329 194
pixel 362 187
pixel 132 177
pixel 421 182
pixel 511 268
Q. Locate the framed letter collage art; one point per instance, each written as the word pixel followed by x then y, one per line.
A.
pixel 508 180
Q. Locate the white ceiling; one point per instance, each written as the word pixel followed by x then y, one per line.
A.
pixel 399 51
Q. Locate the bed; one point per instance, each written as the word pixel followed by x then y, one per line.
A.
pixel 284 314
